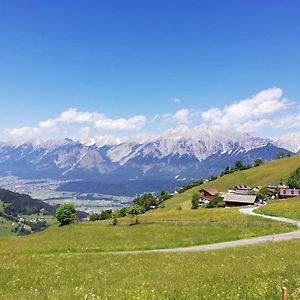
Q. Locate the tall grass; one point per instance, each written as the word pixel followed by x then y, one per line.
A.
pixel 254 272
pixel 289 208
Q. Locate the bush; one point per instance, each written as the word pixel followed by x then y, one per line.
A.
pixel 216 201
pixel 66 214
pixel 104 215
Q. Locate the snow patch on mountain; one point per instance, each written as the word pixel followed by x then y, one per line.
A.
pixel 201 142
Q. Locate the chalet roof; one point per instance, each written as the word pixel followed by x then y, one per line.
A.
pixel 243 187
pixel 211 191
pixel 248 199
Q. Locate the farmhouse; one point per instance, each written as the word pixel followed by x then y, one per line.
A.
pixel 285 192
pixel 233 200
pixel 242 189
pixel 205 195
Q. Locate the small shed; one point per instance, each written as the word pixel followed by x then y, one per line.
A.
pixel 235 200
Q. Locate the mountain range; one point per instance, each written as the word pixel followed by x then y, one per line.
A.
pixel 139 164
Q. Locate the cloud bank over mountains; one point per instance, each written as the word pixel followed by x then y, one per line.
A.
pixel 261 113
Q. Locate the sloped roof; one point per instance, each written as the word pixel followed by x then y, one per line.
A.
pixel 243 187
pixel 250 199
pixel 211 191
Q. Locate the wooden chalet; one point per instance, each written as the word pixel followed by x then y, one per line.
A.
pixel 205 195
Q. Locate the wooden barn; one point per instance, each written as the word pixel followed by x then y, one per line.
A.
pixel 234 200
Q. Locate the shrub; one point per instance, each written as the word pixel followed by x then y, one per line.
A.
pixel 216 201
pixel 66 214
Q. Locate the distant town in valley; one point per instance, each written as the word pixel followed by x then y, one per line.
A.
pixel 46 190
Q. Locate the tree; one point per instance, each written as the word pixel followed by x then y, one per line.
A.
pixel 66 214
pixel 190 185
pixel 293 180
pixel 164 195
pixel 145 201
pixel 134 210
pixel 239 165
pixel 120 212
pixel 280 154
pixel 115 215
pixel 263 193
pixel 195 201
pixel 216 201
pixel 258 162
pixel 212 178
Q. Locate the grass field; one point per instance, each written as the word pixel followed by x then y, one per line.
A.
pixel 203 226
pixel 289 208
pixel 254 272
pixel 271 172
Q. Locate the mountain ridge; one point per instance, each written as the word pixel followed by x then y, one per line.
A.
pixel 176 156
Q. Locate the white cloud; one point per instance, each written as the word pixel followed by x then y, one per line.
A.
pixel 182 116
pixel 248 114
pixel 73 116
pixel 23 133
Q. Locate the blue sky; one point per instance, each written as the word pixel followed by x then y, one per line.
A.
pixel 135 64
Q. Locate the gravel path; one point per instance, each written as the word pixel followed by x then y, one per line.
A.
pixel 256 240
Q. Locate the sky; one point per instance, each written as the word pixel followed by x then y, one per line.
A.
pixel 106 69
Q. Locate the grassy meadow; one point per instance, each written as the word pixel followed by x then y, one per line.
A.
pixel 168 230
pixel 253 272
pixel 288 208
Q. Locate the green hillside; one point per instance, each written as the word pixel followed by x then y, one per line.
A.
pixel 271 172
